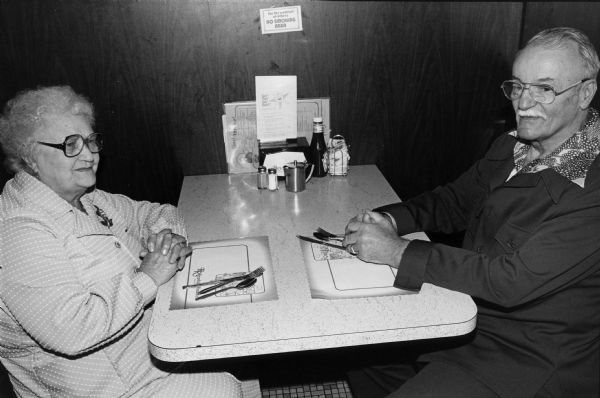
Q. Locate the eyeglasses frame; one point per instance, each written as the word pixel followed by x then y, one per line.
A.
pixel 527 85
pixel 63 145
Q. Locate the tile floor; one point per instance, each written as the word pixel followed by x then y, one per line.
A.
pixel 332 389
pixel 320 374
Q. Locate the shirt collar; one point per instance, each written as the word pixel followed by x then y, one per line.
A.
pixel 572 159
pixel 48 201
pixel 41 195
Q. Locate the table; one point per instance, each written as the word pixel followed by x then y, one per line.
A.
pixel 229 206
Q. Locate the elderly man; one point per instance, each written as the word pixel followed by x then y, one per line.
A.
pixel 530 258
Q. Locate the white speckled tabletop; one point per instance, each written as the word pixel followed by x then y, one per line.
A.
pixel 230 206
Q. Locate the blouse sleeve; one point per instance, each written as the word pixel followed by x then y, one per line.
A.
pixel 42 287
pixel 147 217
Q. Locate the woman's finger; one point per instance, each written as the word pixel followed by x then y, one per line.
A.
pixel 165 245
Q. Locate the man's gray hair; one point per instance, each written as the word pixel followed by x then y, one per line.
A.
pixel 563 36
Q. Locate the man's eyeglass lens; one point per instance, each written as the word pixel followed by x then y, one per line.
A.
pixel 73 144
pixel 542 93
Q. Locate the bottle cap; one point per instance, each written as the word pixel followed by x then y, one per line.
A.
pixel 273 171
pixel 318 119
pixel 262 169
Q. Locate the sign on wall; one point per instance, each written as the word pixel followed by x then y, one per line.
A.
pixel 280 19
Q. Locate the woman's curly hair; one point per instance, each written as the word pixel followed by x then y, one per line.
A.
pixel 26 113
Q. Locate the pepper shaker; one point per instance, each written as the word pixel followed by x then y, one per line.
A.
pixel 261 178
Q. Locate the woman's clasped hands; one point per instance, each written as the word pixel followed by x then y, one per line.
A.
pixel 164 255
pixel 372 237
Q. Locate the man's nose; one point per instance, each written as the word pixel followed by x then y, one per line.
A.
pixel 526 101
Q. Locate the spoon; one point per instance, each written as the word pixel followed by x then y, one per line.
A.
pixel 242 285
pixel 327 235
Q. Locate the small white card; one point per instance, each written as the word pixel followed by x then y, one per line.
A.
pixel 276 108
pixel 280 20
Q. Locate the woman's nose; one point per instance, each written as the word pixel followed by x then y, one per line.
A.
pixel 85 152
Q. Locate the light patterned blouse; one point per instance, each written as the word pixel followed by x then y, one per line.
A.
pixel 75 311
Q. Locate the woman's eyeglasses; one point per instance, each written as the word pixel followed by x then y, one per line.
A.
pixel 542 93
pixel 73 144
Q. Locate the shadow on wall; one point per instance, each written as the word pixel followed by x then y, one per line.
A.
pixel 457 112
pixel 138 158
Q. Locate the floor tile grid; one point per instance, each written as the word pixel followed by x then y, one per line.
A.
pixel 333 389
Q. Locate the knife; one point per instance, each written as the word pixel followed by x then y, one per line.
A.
pixel 320 242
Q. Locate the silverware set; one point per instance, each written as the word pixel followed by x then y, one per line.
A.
pixel 325 238
pixel 220 285
pixel 322 234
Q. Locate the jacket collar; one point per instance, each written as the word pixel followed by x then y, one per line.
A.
pixel 555 184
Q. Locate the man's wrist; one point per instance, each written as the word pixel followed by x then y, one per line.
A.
pixel 390 219
pixel 399 252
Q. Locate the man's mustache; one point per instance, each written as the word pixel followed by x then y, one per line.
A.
pixel 530 113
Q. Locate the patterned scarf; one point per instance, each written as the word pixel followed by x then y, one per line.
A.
pixel 571 159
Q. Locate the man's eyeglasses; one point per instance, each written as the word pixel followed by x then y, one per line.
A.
pixel 73 144
pixel 542 93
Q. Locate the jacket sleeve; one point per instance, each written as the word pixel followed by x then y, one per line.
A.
pixel 561 251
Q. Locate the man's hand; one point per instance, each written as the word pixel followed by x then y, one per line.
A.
pixel 373 238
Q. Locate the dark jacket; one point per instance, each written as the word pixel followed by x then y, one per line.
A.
pixel 530 259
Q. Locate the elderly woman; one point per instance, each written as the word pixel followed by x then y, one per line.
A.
pixel 80 266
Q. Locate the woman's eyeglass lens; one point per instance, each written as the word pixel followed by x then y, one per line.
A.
pixel 73 144
pixel 542 93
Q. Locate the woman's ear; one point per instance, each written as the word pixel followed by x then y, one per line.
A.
pixel 31 166
pixel 587 92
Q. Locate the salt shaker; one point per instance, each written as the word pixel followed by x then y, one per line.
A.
pixel 272 177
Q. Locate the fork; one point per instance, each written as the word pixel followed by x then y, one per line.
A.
pixel 222 282
pixel 254 274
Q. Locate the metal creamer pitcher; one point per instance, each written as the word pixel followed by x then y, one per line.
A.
pixel 295 176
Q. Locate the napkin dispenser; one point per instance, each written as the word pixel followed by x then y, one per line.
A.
pixel 278 154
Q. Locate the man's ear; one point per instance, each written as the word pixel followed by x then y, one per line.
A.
pixel 586 94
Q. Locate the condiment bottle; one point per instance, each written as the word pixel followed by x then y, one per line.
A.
pixel 273 182
pixel 261 178
pixel 318 148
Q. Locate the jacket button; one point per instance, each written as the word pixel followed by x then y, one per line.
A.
pixel 117 245
pixel 479 249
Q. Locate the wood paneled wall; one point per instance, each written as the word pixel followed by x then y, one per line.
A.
pixel 414 86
